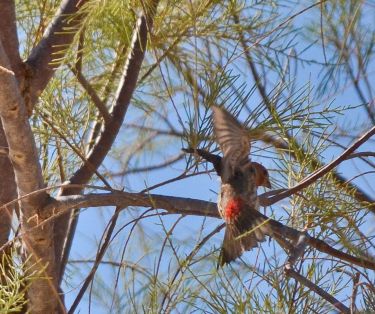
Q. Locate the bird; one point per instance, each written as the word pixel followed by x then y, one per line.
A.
pixel 240 177
pixel 237 202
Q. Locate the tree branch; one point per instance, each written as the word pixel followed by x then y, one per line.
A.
pixel 123 97
pixel 359 194
pixel 93 95
pixel 361 154
pixel 52 46
pixel 22 148
pixel 172 204
pixel 187 206
pixel 103 145
pixel 8 188
pixel 158 166
pixel 265 199
pixel 24 157
pixel 322 171
pixel 8 35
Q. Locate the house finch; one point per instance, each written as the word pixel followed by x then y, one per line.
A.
pixel 237 201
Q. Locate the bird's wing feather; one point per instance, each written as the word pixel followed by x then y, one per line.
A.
pixel 232 137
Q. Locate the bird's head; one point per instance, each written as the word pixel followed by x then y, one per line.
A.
pixel 261 175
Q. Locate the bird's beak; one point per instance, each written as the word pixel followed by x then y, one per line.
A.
pixel 267 183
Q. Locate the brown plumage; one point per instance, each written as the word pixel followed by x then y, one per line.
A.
pixel 261 175
pixel 233 140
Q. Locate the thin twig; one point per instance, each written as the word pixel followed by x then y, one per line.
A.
pixel 93 95
pixel 322 171
pixel 313 287
pixel 188 259
pixel 164 164
pixel 75 150
pixel 98 260
pixel 361 154
pixel 353 308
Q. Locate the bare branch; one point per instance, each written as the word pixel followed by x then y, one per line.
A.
pixel 93 95
pixel 52 46
pixel 282 231
pixel 359 194
pixel 361 154
pixel 8 35
pixel 123 264
pixel 64 204
pixel 24 157
pixel 264 199
pixel 158 131
pixel 187 206
pixel 8 189
pixel 178 205
pixel 353 307
pixel 22 148
pixel 367 262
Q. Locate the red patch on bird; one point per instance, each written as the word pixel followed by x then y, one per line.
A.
pixel 233 208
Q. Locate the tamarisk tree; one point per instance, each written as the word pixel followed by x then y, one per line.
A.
pixel 109 164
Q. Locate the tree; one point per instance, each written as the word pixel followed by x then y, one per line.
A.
pixel 97 98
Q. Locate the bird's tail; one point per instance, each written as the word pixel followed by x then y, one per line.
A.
pixel 242 236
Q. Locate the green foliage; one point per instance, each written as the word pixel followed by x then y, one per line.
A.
pixel 15 277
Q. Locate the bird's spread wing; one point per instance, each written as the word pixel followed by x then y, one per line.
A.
pixel 231 136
